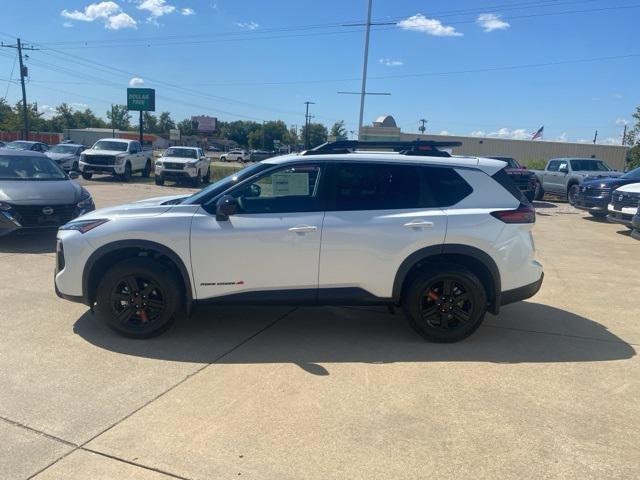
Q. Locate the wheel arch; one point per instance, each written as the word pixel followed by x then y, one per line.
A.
pixel 107 255
pixel 474 259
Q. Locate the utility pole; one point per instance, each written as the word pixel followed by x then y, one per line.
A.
pixel 306 125
pixel 422 127
pixel 363 90
pixel 624 134
pixel 23 73
pixel 595 138
pixel 113 125
pixel 141 130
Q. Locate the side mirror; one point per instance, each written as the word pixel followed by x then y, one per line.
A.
pixel 73 175
pixel 226 207
pixel 563 169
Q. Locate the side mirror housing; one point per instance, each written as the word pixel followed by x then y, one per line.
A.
pixel 73 175
pixel 563 169
pixel 226 207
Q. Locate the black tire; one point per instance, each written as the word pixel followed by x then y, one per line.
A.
pixel 572 194
pixel 195 182
pixel 598 214
pixel 159 180
pixel 222 159
pixel 126 176
pixel 445 303
pixel 207 177
pixel 74 167
pixel 146 172
pixel 539 195
pixel 87 175
pixel 138 280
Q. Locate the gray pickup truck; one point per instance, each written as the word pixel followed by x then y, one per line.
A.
pixel 563 176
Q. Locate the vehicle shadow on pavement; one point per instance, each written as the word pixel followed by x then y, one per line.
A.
pixel 542 204
pixel 523 333
pixel 42 242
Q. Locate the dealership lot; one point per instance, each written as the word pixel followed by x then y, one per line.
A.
pixel 548 388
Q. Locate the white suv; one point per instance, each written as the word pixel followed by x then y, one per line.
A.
pixel 183 163
pixel 447 238
pixel 234 156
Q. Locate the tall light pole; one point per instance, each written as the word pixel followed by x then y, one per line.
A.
pixel 363 90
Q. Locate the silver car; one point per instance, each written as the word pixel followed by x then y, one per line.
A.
pixel 35 193
pixel 66 155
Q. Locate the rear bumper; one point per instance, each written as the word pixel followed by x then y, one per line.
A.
pixel 521 293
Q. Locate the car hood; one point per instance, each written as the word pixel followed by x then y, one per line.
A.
pixel 60 156
pixel 178 159
pixel 25 192
pixel 166 200
pixel 607 182
pixel 631 188
pixel 104 152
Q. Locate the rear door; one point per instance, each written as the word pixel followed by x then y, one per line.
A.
pixel 377 215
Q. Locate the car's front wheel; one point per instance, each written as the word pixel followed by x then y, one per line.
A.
pixel 207 177
pixel 126 176
pixel 445 303
pixel 87 175
pixel 572 194
pixel 159 180
pixel 146 172
pixel 138 298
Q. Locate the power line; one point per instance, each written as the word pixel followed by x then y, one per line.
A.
pixel 10 77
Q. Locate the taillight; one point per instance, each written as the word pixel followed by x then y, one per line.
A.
pixel 525 213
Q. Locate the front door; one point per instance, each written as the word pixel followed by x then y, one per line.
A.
pixel 270 248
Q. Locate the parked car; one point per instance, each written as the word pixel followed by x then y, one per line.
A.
pixel 35 193
pixel 116 156
pixel 27 145
pixel 624 204
pixel 259 155
pixel 211 148
pixel 183 163
pixel 635 223
pixel 66 155
pixel 563 176
pixel 234 156
pixel 2 144
pixel 595 195
pixel 525 180
pixel 445 240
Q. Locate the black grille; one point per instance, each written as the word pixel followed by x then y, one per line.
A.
pixel 596 192
pixel 99 159
pixel 625 200
pixel 174 166
pixel 43 215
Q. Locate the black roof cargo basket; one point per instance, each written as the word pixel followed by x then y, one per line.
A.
pixel 416 147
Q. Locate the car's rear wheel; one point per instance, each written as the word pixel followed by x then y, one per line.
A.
pixel 87 175
pixel 146 172
pixel 138 298
pixel 572 194
pixel 445 303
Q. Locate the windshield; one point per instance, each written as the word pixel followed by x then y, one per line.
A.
pixel 29 168
pixel 69 149
pixel 632 174
pixel 225 183
pixel 589 166
pixel 181 152
pixel 109 145
pixel 19 145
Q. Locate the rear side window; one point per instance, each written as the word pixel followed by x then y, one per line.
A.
pixel 503 178
pixel 373 186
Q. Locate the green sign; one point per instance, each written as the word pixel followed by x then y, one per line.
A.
pixel 141 99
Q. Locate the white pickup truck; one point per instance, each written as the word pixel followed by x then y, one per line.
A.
pixel 116 156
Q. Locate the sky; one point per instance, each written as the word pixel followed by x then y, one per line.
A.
pixel 470 67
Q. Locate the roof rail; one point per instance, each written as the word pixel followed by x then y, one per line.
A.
pixel 416 147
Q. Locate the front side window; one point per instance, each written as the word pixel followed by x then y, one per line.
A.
pixel 291 189
pixel 553 166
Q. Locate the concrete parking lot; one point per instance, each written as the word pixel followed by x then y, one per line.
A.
pixel 547 389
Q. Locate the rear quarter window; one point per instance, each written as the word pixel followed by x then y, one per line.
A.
pixel 505 181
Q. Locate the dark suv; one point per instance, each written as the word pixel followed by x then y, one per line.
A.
pixel 523 178
pixel 594 195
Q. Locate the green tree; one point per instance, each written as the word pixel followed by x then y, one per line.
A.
pixel 165 123
pixel 150 122
pixel 339 131
pixel 120 118
pixel 633 140
pixel 7 116
pixel 238 131
pixel 185 127
pixel 317 134
pixel 264 136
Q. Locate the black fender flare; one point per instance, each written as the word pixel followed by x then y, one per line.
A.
pixel 441 251
pixel 144 245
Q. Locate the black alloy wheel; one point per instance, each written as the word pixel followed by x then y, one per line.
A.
pixel 137 301
pixel 445 303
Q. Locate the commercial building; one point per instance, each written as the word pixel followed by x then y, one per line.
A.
pixel 525 151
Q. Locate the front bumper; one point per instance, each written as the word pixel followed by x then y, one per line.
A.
pixel 167 173
pixel 89 168
pixel 521 293
pixel 622 218
pixel 592 204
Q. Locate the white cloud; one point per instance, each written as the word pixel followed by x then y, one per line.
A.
pixel 617 96
pixel 93 12
pixel 136 81
pixel 430 26
pixel 47 111
pixel 156 8
pixel 611 141
pixel 490 22
pixel 109 12
pixel 478 133
pixel 621 122
pixel 122 20
pixel 187 11
pixel 563 137
pixel 444 132
pixel 248 25
pixel 390 62
pixel 79 105
pixel 516 134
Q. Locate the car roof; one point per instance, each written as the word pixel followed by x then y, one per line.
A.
pixel 21 153
pixel 23 141
pixel 577 158
pixel 488 165
pixel 110 139
pixel 69 144
pixel 180 146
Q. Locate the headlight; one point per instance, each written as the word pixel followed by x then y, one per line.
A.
pixel 5 207
pixel 158 163
pixel 82 157
pixel 119 159
pixel 83 226
pixel 191 164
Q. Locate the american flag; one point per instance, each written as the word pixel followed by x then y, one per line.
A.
pixel 538 134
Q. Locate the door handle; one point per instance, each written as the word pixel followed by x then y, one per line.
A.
pixel 419 224
pixel 303 229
